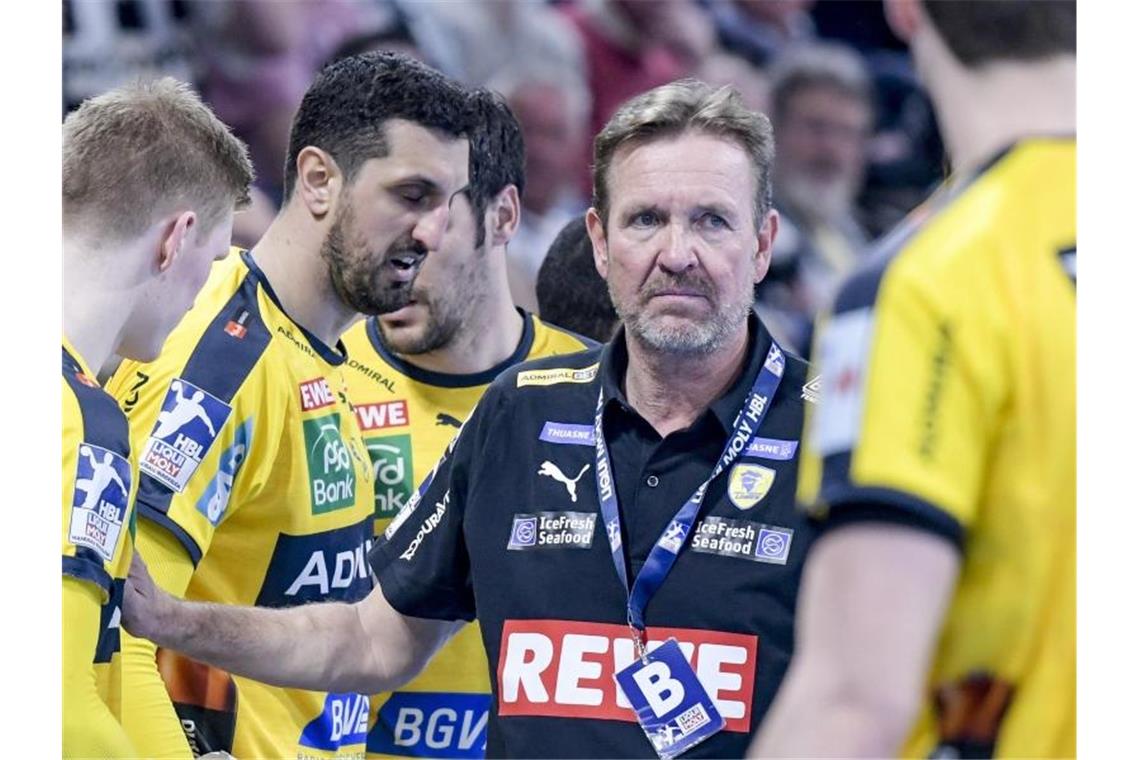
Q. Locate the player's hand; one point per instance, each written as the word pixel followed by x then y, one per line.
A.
pixel 144 603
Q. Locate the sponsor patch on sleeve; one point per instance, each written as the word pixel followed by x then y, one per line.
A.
pixel 843 353
pixel 556 376
pixel 102 496
pixel 187 425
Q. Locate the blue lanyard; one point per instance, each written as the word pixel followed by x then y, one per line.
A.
pixel 664 553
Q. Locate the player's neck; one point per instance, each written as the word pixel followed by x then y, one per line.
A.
pixel 672 390
pixel 96 304
pixel 484 341
pixel 288 255
pixel 983 112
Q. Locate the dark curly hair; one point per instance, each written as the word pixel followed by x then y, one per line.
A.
pixel 497 154
pixel 345 109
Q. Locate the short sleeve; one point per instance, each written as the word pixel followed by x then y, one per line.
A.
pixel 911 382
pixel 199 436
pixel 421 561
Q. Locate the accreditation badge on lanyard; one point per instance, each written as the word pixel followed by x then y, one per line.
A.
pixel 671 704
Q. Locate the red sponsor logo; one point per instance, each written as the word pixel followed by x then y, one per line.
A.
pixel 234 329
pixel 315 394
pixel 565 669
pixel 83 378
pixel 385 415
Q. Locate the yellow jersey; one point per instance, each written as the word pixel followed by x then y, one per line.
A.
pixel 949 404
pixel 408 415
pixel 99 481
pixel 249 454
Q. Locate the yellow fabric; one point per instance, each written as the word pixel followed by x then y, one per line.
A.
pixel 89 727
pixel 407 424
pixel 278 506
pixel 963 414
pixel 92 661
pixel 148 715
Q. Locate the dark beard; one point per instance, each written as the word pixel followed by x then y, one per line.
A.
pixel 356 280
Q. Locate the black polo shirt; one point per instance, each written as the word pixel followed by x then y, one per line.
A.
pixel 509 532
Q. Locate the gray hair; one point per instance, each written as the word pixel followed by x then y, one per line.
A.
pixel 819 65
pixel 673 109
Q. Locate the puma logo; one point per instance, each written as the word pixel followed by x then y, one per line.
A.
pixel 447 419
pixel 550 470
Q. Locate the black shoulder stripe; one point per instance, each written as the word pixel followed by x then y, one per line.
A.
pixel 862 288
pixel 226 353
pixel 104 423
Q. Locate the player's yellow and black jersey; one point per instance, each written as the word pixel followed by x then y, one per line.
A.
pixel 249 454
pixel 408 415
pixel 99 481
pixel 949 379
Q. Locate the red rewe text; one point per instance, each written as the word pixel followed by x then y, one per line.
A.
pixel 385 415
pixel 315 394
pixel 565 668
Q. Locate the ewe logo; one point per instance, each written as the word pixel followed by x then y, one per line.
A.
pixel 332 480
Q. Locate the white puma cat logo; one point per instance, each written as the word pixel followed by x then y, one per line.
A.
pixel 551 470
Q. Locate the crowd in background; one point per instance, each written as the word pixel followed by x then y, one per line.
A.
pixel 857 143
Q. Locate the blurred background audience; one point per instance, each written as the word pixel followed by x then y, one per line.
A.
pixel 857 144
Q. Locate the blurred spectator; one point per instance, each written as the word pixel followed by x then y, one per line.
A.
pixel 760 30
pixel 107 43
pixel 554 122
pixel 479 42
pixel 392 32
pixel 750 81
pixel 632 46
pixel 905 160
pixel 261 56
pixel 822 112
pixel 571 293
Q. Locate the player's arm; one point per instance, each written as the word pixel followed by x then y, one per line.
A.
pixel 871 607
pixel 365 647
pixel 89 728
pixel 148 713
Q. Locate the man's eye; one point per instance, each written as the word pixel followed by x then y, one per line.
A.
pixel 644 219
pixel 713 221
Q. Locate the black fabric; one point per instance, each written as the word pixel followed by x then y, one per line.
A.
pixel 448 554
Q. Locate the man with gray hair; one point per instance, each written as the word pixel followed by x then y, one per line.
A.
pixel 611 517
pixel 822 113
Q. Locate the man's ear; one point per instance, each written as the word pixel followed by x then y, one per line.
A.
pixel 506 210
pixel 597 231
pixel 173 237
pixel 319 180
pixel 765 240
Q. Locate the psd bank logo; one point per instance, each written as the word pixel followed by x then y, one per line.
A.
pixel 99 508
pixel 332 478
pixel 187 425
pixel 391 457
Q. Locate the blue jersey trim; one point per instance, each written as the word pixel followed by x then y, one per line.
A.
pixel 445 380
pixel 159 517
pixel 219 364
pixel 84 568
pixel 104 423
pixel 333 357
